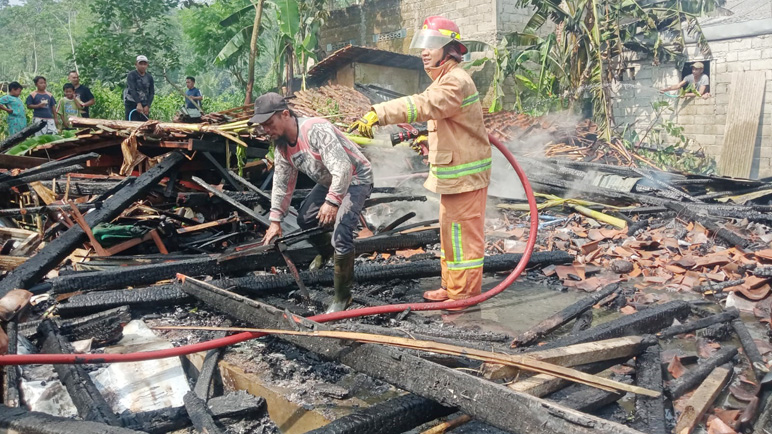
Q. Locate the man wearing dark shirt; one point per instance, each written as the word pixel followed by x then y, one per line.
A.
pixel 42 104
pixel 140 91
pixel 192 94
pixel 82 93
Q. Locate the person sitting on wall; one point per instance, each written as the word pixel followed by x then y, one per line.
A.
pixel 694 84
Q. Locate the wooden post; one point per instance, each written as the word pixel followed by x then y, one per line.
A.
pixel 702 399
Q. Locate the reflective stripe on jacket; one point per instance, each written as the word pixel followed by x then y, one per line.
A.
pixel 459 151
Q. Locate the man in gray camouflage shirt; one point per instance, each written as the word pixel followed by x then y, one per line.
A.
pixel 343 176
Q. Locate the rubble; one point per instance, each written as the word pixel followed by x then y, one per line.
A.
pixel 675 267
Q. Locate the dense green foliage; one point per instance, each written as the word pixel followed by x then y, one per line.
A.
pixel 101 39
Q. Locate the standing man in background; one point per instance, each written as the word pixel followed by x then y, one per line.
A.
pixel 140 91
pixel 42 104
pixel 192 94
pixel 82 94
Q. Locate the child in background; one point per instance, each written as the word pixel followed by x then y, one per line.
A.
pixel 42 104
pixel 11 103
pixel 68 106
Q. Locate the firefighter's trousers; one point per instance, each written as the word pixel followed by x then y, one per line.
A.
pixel 462 239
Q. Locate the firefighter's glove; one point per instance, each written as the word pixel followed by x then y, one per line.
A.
pixel 421 145
pixel 365 124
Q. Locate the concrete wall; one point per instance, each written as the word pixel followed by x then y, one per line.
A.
pixel 704 121
pixel 393 22
pixel 404 81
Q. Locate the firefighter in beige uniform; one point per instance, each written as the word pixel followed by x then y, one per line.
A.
pixel 459 154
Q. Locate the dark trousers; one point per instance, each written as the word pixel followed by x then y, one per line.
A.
pixel 348 214
pixel 131 106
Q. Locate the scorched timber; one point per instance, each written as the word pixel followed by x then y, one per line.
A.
pixel 694 376
pixel 486 401
pixel 95 301
pixel 162 295
pixel 19 420
pixel 719 318
pixel 556 321
pixel 649 320
pixel 396 415
pixel 21 135
pixel 54 252
pixel 749 346
pixel 231 407
pixel 90 403
pixel 104 327
pixel 650 411
pixel 12 374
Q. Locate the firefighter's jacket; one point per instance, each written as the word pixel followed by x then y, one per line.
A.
pixel 459 151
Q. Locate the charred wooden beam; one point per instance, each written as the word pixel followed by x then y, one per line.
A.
pixel 694 377
pixel 54 252
pixel 730 237
pixel 200 415
pixel 90 403
pixel 390 417
pixel 52 173
pixel 650 411
pixel 56 164
pixel 234 203
pixel 82 304
pixel 209 368
pixel 405 270
pixel 717 286
pixel 486 401
pixel 226 176
pixel 554 322
pixel 21 136
pixel 104 327
pixel 373 201
pixel 81 187
pixel 19 420
pixel 587 399
pixel 749 347
pixel 649 320
pixel 12 377
pixel 225 409
pixel 719 318
pixel 34 210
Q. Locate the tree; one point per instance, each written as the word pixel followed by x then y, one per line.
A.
pixel 123 29
pixel 584 54
pixel 297 41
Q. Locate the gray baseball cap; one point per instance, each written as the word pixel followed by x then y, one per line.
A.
pixel 266 105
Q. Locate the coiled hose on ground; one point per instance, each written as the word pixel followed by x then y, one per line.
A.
pixel 48 359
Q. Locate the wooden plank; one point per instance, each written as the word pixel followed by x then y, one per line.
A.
pixel 574 355
pixel 702 399
pixel 196 228
pixel 745 103
pixel 17 162
pixel 15 234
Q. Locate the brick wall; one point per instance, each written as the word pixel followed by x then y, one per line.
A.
pixel 703 120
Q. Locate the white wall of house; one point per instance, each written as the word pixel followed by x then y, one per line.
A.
pixel 704 121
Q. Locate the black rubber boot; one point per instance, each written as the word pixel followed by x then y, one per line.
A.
pixel 344 280
pixel 323 244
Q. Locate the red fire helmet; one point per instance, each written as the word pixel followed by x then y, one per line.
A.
pixel 437 32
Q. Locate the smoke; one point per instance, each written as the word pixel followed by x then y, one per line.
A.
pixel 397 167
pixel 504 181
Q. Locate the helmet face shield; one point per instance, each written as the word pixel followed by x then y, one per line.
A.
pixel 431 39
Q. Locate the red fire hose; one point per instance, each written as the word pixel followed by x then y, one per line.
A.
pixel 48 359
